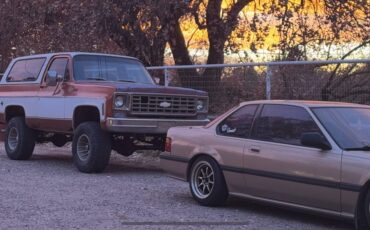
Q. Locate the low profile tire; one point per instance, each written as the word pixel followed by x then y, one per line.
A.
pixel 207 182
pixel 362 221
pixel 91 148
pixel 19 139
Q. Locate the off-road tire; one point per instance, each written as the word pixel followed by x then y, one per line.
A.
pixel 99 148
pixel 19 139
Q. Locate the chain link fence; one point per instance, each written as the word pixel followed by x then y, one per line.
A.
pixel 230 84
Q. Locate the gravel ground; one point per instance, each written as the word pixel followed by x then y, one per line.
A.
pixel 47 192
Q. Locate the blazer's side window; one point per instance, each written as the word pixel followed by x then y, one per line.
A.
pixel 283 124
pixel 239 123
pixel 60 65
pixel 26 70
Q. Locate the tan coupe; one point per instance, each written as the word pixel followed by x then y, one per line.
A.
pixel 309 155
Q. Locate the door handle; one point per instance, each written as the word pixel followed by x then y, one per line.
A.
pixel 254 149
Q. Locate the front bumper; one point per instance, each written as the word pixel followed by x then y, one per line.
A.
pixel 148 126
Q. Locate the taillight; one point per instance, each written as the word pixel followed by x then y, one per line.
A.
pixel 167 146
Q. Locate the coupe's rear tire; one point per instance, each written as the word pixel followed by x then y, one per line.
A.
pixel 19 139
pixel 207 182
pixel 91 148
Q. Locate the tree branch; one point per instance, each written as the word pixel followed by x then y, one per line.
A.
pixel 325 90
pixel 196 15
pixel 233 15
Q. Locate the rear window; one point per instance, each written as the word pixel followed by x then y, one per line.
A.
pixel 239 123
pixel 26 70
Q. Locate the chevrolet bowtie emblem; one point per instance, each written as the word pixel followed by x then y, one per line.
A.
pixel 165 104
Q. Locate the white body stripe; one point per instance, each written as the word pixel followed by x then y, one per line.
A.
pixel 49 108
pixel 72 102
pixel 53 107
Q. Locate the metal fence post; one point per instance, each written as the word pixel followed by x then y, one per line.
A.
pixel 268 82
pixel 166 77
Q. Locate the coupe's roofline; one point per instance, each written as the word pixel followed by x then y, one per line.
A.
pixel 73 54
pixel 306 103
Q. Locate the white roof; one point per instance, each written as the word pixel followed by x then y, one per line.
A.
pixel 72 54
pixel 48 57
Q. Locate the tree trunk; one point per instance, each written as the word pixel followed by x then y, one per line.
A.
pixel 188 77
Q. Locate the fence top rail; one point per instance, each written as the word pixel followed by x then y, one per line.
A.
pixel 275 63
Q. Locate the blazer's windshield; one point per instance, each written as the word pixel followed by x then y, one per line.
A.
pixel 105 68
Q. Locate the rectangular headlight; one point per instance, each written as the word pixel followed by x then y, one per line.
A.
pixel 202 105
pixel 121 101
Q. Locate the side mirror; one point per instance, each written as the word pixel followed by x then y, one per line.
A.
pixel 53 78
pixel 315 140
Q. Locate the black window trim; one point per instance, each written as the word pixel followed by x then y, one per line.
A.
pixel 26 59
pixel 218 133
pixel 276 142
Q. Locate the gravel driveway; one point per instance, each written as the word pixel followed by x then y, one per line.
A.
pixel 47 192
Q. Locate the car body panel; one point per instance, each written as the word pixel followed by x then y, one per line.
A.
pixel 307 178
pixel 355 172
pixel 293 174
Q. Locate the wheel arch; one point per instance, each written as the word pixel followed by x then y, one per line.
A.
pixel 14 111
pixel 194 158
pixel 84 113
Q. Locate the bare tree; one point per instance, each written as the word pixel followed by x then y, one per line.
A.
pixel 39 26
pixel 304 28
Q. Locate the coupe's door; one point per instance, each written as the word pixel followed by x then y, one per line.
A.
pixel 278 167
pixel 51 98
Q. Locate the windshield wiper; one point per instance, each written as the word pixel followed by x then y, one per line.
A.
pixel 126 81
pixel 95 79
pixel 363 148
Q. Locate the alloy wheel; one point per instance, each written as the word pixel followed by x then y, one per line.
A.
pixel 202 179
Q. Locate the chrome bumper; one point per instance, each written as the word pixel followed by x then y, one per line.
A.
pixel 148 126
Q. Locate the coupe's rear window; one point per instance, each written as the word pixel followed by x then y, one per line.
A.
pixel 26 70
pixel 239 123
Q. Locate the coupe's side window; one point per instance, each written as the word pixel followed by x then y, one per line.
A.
pixel 239 123
pixel 283 124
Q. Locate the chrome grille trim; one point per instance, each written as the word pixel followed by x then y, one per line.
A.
pixel 149 104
